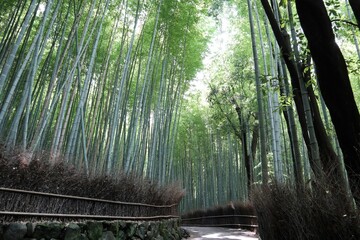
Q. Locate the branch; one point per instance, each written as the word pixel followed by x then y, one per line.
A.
pixel 345 21
pixel 237 132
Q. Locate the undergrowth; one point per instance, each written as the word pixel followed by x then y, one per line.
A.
pixel 60 178
pixel 313 214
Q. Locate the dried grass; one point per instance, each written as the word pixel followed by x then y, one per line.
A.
pixel 318 213
pixel 60 178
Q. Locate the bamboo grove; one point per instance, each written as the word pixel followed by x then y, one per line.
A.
pixel 107 86
pixel 97 82
pixel 265 120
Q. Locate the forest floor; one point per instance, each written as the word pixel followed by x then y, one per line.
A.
pixel 203 233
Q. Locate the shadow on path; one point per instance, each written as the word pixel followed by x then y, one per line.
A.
pixel 198 233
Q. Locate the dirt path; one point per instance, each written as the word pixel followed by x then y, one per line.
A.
pixel 198 233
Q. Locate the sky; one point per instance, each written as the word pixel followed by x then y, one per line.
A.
pixel 222 40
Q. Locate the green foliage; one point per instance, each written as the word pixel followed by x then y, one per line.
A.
pixel 216 8
pixel 283 3
pixel 185 41
pixel 94 100
pixel 335 14
pixel 285 101
pixel 6 8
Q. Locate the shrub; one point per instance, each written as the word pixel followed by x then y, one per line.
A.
pixel 318 213
pixel 60 178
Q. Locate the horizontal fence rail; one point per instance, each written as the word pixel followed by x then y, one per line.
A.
pixel 231 225
pixel 84 198
pixel 15 204
pixel 218 216
pixel 234 220
pixel 79 216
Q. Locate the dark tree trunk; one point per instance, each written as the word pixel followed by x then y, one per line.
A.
pixel 254 141
pixel 283 40
pixel 241 133
pixel 329 158
pixel 243 138
pixel 292 132
pixel 334 83
pixel 355 5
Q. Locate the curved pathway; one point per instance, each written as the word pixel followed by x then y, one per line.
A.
pixel 208 233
